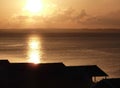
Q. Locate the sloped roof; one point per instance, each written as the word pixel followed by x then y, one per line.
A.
pixel 91 70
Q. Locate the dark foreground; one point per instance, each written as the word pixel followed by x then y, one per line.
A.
pixel 47 75
pixel 53 75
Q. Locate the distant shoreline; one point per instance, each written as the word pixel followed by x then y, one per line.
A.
pixel 60 30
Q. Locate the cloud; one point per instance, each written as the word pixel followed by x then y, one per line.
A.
pixel 66 18
pixel 109 20
pixel 80 16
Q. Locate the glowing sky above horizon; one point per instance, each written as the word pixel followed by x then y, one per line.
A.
pixel 59 13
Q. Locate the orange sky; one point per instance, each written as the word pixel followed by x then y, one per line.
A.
pixel 61 14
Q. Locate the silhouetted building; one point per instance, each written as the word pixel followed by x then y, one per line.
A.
pixel 108 83
pixel 47 75
pixel 83 75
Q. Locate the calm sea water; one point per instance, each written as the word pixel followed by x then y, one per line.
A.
pixel 102 49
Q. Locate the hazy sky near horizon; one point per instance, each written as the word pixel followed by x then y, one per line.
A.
pixel 59 13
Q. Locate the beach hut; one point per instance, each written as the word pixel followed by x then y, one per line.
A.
pixel 84 76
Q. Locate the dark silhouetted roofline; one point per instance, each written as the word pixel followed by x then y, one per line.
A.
pixel 91 70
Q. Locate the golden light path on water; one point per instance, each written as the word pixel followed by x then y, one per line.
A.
pixel 34 49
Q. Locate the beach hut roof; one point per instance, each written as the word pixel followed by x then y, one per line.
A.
pixel 91 70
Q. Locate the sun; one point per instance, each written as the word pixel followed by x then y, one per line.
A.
pixel 33 6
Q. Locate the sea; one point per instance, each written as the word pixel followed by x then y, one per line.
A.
pixel 73 48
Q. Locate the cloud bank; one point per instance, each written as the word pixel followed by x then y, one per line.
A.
pixel 66 18
pixel 109 20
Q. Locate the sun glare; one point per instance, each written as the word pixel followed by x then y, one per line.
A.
pixel 38 8
pixel 33 6
pixel 34 52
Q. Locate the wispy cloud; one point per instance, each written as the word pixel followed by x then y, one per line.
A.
pixel 66 18
pixel 109 20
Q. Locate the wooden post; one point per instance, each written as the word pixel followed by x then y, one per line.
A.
pixel 94 79
pixel 105 77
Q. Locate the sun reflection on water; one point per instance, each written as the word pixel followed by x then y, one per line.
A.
pixel 34 49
